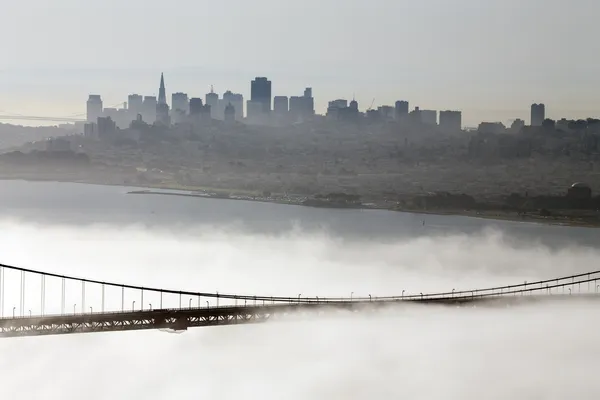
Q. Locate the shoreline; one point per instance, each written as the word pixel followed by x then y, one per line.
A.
pixel 230 194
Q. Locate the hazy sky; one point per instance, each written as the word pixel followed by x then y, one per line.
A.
pixel 491 59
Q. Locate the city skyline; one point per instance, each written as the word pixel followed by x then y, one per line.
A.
pixel 438 54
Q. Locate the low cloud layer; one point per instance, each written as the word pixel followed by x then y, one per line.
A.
pixel 546 350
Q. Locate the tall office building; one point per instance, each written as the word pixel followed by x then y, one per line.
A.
pixel 450 121
pixel 401 109
pixel 538 114
pixel 180 102
pixel 280 105
pixel 196 106
pixel 237 102
pixel 260 92
pixel 149 109
pixel 162 96
pixel 212 100
pixel 134 104
pixel 94 107
pixel 428 117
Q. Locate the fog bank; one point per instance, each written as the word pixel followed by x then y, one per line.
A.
pixel 546 350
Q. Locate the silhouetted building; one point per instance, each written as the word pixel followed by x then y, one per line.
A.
pixel 149 109
pixel 260 92
pixel 162 114
pixel 196 106
pixel 90 129
pixel 106 126
pixel 401 109
pixel 450 121
pixel 491 128
pixel 58 144
pixel 538 114
pixel 229 113
pixel 94 107
pixel 334 107
pixel 580 191
pixel 428 117
pixel 302 107
pixel 180 102
pixel 517 125
pixel 254 110
pixel 280 105
pixel 354 105
pixel 212 100
pixel 134 104
pixel 162 95
pixel 237 101
pixel 386 112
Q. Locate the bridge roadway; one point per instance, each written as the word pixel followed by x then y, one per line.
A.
pixel 261 308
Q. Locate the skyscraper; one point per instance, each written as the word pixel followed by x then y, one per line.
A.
pixel 180 102
pixel 94 107
pixel 401 109
pixel 237 101
pixel 280 105
pixel 538 114
pixel 212 100
pixel 162 96
pixel 134 105
pixel 260 91
pixel 450 121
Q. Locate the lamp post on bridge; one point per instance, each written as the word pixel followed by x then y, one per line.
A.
pixel 351 296
pixel 133 305
pixel 369 297
pixel 150 304
pixel 299 294
pixel 190 303
pixel 453 292
pixel 91 310
pixel 14 308
pixel 74 309
pixel 29 313
pixel 207 304
pixel 403 294
pixel 217 298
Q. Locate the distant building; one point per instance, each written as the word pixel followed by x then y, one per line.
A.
pixel 196 106
pixel 517 126
pixel 450 121
pixel 491 128
pixel 106 126
pixel 229 113
pixel 254 110
pixel 302 107
pixel 260 92
pixel 90 129
pixel 162 95
pixel 428 117
pixel 401 109
pixel 334 107
pixel 386 112
pixel 94 107
pixel 134 105
pixel 180 102
pixel 58 144
pixel 149 109
pixel 237 101
pixel 280 105
pixel 538 114
pixel 162 114
pixel 212 100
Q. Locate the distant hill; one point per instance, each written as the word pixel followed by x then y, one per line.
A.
pixel 17 135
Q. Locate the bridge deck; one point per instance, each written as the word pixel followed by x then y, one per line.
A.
pixel 181 319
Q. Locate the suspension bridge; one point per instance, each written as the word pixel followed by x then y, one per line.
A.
pixel 34 303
